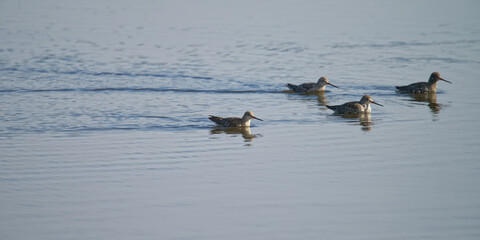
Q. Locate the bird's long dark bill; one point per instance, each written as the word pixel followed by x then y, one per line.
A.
pixel 257 118
pixel 377 103
pixel 445 80
pixel 332 85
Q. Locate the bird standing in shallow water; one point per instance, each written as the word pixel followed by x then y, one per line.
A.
pixel 423 87
pixel 311 87
pixel 362 106
pixel 234 121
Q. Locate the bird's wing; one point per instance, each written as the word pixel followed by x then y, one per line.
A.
pixel 347 108
pixel 418 87
pixel 307 86
pixel 353 106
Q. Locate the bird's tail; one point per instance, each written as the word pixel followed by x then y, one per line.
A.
pixel 331 107
pixel 291 86
pixel 215 119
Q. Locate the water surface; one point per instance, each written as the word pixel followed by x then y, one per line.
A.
pixel 104 131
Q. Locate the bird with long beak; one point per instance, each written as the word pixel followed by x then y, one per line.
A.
pixel 423 87
pixel 311 87
pixel 362 106
pixel 234 121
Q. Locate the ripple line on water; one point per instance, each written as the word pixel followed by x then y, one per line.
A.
pixel 133 89
pixel 126 74
pixel 402 44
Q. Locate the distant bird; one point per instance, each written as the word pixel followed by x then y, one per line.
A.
pixel 362 106
pixel 423 87
pixel 234 121
pixel 311 87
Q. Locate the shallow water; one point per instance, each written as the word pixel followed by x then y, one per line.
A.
pixel 104 130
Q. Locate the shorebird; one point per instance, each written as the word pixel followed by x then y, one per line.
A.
pixel 423 87
pixel 362 106
pixel 311 87
pixel 234 121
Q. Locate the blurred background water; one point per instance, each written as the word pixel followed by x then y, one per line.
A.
pixel 104 131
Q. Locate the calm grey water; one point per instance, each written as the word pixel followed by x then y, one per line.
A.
pixel 104 131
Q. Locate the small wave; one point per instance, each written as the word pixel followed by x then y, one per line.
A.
pixel 402 59
pixel 431 59
pixel 372 87
pixel 120 89
pixel 123 74
pixel 380 45
pixel 402 44
pixel 157 117
pixel 281 47
pixel 168 127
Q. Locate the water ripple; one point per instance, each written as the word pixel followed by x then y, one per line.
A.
pixel 402 44
pixel 432 59
pixel 123 74
pixel 133 89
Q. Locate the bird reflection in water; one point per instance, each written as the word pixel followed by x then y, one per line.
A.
pixel 430 98
pixel 362 119
pixel 244 131
pixel 322 99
